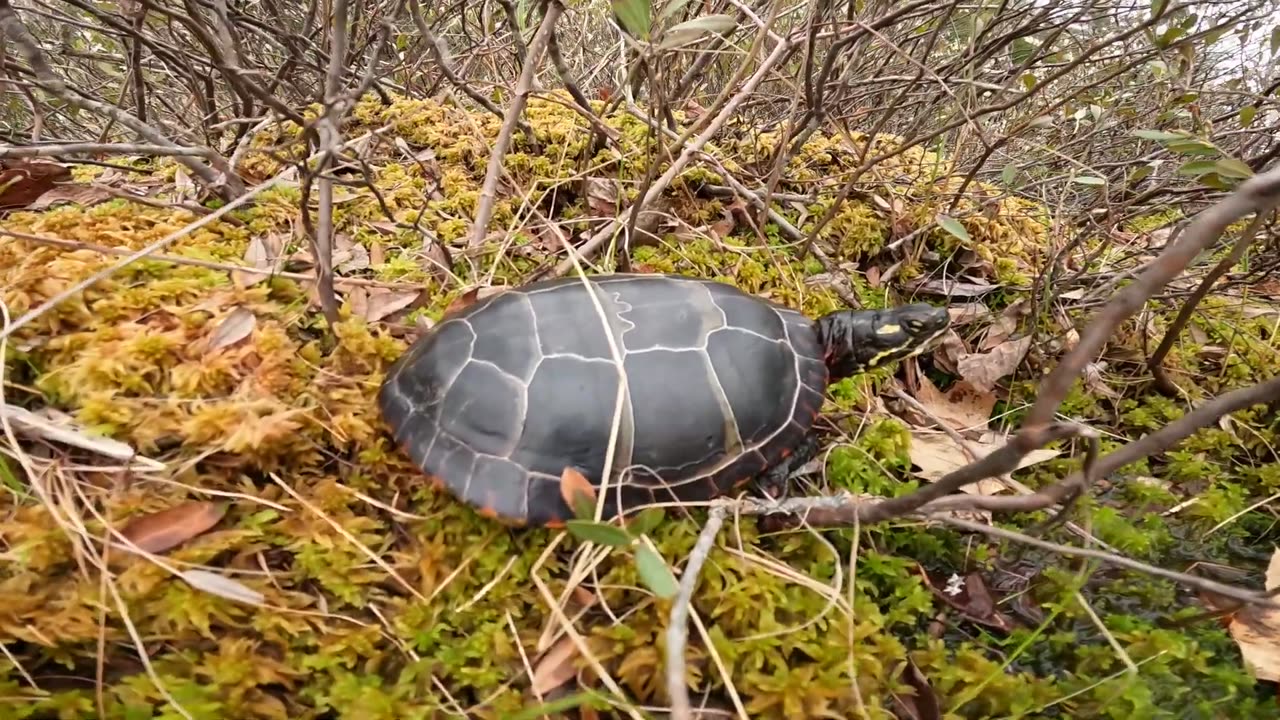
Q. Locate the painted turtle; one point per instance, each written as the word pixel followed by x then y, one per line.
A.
pixel 723 388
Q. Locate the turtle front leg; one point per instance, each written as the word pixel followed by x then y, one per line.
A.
pixel 775 483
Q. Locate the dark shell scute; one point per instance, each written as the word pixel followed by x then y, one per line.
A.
pixel 747 312
pixel 665 315
pixel 759 379
pixel 504 339
pixel 569 416
pixel 499 485
pixel 486 407
pixel 679 409
pixel 567 324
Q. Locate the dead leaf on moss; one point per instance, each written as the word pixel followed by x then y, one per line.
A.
pixel 262 253
pixel 963 407
pixel 377 256
pixel 236 326
pixel 936 454
pixel 971 597
pixel 555 668
pixel 984 370
pixel 349 256
pixel 1256 630
pixel 82 194
pixel 159 531
pixel 384 301
pixel 602 195
pixel 1094 383
pixel 576 490
pixel 965 313
pixel 923 705
pixel 224 587
pixel 948 351
pixel 22 182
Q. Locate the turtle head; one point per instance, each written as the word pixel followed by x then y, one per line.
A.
pixel 854 341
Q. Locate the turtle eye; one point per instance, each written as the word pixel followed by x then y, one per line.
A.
pixel 914 325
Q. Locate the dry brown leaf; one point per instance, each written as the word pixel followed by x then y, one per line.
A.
pixel 472 296
pixel 948 350
pixel 556 667
pixel 159 531
pixel 984 370
pixel 602 195
pixel 998 332
pixel 576 488
pixel 358 299
pixel 873 276
pixel 1095 384
pixel 723 227
pixel 23 181
pixel 1256 631
pixel 937 454
pixel 963 407
pixel 236 326
pixel 383 302
pixel 968 312
pixel 377 256
pixel 82 194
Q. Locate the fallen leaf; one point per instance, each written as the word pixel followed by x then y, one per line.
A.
pixel 984 370
pixel 377 256
pixel 998 332
pixel 723 227
pixel 923 705
pixel 578 493
pixel 948 350
pixel 183 188
pixel 225 587
pixel 602 195
pixel 159 531
pixel 1095 384
pixel 349 256
pixel 962 407
pixel 383 302
pixel 968 312
pixel 22 182
pixel 472 296
pixel 971 597
pixel 936 455
pixel 1256 630
pixel 555 668
pixel 82 194
pixel 236 326
pixel 873 276
pixel 954 288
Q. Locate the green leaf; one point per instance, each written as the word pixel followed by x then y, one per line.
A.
pixel 1168 36
pixel 1247 113
pixel 672 8
pixel 1157 7
pixel 654 572
pixel 1275 39
pixel 1009 174
pixel 1140 173
pixel 646 520
pixel 690 30
pixel 953 226
pixel 1198 167
pixel 1160 135
pixel 1194 147
pixel 634 17
pixel 1022 50
pixel 599 533
pixel 1089 180
pixel 1232 168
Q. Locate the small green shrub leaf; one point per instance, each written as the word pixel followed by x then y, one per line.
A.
pixel 654 572
pixel 953 226
pixel 1160 135
pixel 1247 113
pixel 1089 180
pixel 690 30
pixel 1232 168
pixel 1198 167
pixel 634 16
pixel 646 520
pixel 599 533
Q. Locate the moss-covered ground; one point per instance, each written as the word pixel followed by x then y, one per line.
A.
pixel 320 508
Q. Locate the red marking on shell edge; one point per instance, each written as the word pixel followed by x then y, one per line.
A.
pixel 554 524
pixel 487 511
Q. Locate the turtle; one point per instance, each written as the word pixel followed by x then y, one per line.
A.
pixel 722 389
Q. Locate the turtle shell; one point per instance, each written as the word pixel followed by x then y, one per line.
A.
pixel 497 400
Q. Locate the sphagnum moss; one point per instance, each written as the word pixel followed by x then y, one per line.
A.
pixel 293 403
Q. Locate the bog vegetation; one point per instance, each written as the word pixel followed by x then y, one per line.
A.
pixel 220 223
